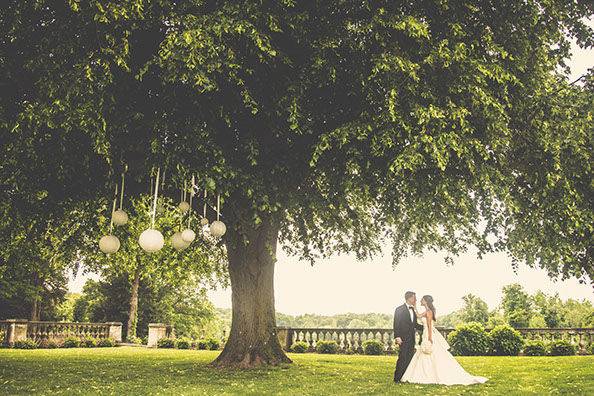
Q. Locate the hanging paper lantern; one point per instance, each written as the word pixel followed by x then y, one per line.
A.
pixel 184 206
pixel 109 244
pixel 177 242
pixel 204 221
pixel 151 240
pixel 218 228
pixel 119 217
pixel 188 235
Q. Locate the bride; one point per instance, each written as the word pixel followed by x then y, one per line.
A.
pixel 432 362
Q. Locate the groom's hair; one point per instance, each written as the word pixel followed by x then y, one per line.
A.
pixel 408 295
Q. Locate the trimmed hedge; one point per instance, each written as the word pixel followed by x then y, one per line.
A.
pixel 71 342
pixel 48 344
pixel 327 347
pixel 470 339
pixel 88 342
pixel 299 347
pixel 535 348
pixel 183 343
pixel 201 344
pixel 506 341
pixel 25 344
pixel 373 347
pixel 562 348
pixel 134 340
pixel 213 344
pixel 106 342
pixel 166 343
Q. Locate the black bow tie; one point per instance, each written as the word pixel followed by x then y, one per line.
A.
pixel 410 307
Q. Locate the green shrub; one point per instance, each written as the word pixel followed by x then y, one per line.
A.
pixel 506 341
pixel 71 342
pixel 299 347
pixel 88 342
pixel 328 347
pixel 201 344
pixel 134 340
pixel 27 343
pixel 106 342
pixel 166 343
pixel 48 344
pixel 562 348
pixel 373 347
pixel 535 348
pixel 213 344
pixel 183 343
pixel 470 339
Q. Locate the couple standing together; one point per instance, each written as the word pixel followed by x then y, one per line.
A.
pixel 431 363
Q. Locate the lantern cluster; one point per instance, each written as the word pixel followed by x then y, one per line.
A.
pixel 151 240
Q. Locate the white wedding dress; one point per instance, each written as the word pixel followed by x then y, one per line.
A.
pixel 438 366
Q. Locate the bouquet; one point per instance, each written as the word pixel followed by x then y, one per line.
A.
pixel 427 347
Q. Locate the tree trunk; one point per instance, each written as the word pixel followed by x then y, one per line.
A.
pixel 34 315
pixel 34 310
pixel 132 316
pixel 252 341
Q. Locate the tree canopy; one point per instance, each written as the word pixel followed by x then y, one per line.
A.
pixel 348 120
pixel 331 126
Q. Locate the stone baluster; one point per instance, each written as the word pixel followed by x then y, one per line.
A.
pixel 309 340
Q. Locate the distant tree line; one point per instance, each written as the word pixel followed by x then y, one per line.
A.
pixel 517 308
pixel 521 309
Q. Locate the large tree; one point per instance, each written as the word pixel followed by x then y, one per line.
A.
pixel 330 126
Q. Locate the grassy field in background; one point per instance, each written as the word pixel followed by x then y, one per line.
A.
pixel 128 370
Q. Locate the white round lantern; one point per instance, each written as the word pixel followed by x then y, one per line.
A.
pixel 109 244
pixel 217 228
pixel 188 235
pixel 184 206
pixel 177 242
pixel 204 221
pixel 119 217
pixel 151 240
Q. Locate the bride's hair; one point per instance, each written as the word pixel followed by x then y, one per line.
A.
pixel 429 302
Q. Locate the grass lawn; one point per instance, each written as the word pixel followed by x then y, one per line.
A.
pixel 128 370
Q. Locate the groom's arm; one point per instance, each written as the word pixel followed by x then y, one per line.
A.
pixel 396 324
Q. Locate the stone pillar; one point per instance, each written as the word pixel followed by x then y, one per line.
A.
pixel 115 330
pixel 17 331
pixel 285 337
pixel 156 332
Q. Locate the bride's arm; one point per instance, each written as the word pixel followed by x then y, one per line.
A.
pixel 429 315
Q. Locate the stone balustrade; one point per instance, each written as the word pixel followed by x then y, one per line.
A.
pixel 14 330
pixel 352 339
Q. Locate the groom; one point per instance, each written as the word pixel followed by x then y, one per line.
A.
pixel 405 323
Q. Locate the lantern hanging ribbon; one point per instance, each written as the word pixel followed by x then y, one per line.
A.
pixel 122 191
pixel 191 195
pixel 155 198
pixel 218 206
pixel 113 208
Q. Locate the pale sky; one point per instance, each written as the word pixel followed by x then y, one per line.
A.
pixel 342 284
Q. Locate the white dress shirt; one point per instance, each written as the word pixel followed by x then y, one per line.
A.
pixel 410 311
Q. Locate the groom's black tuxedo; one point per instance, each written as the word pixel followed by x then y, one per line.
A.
pixel 405 328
